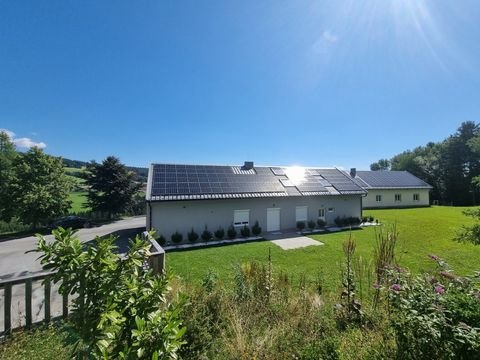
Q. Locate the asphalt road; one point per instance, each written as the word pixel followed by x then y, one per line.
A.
pixel 16 260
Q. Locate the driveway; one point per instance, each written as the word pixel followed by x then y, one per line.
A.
pixel 15 260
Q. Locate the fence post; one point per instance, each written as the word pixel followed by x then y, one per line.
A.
pixel 7 308
pixel 28 303
pixel 47 299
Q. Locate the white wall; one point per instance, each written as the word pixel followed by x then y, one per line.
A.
pixel 388 198
pixel 170 216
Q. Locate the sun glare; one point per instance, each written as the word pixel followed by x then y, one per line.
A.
pixel 296 174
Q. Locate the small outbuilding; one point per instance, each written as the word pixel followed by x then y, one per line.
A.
pixel 392 189
pixel 182 197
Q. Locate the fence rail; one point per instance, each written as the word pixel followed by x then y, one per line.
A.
pixel 157 263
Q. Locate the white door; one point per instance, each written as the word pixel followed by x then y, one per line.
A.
pixel 273 219
pixel 301 213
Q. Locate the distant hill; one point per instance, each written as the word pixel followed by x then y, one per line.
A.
pixel 142 173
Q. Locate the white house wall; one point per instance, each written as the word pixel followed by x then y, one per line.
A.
pixel 388 198
pixel 170 216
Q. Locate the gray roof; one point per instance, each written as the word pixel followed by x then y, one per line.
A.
pixel 167 182
pixel 389 180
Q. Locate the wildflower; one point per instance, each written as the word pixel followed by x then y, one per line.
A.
pixel 434 257
pixel 439 289
pixel 396 287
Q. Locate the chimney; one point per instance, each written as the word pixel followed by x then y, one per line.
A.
pixel 248 165
pixel 353 172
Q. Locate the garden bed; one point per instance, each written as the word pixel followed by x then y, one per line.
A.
pixel 211 243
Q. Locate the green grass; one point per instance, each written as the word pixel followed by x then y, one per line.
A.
pixel 422 231
pixel 78 199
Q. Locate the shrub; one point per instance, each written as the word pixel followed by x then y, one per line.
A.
pixel 206 234
pixel 311 225
pixel 300 225
pixel 321 223
pixel 339 221
pixel 161 240
pixel 177 237
pixel 245 231
pixel 120 308
pixel 220 233
pixel 231 232
pixel 370 219
pixel 192 236
pixel 256 229
pixel 364 219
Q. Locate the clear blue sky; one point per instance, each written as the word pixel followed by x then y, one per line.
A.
pixel 333 83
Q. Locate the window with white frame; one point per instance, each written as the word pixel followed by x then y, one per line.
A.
pixel 321 213
pixel 378 198
pixel 331 210
pixel 416 197
pixel 241 217
pixel 398 197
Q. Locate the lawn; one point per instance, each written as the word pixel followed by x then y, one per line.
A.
pixel 78 199
pixel 422 231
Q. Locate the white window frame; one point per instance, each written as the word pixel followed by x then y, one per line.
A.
pixel 241 218
pixel 321 213
pixel 331 210
pixel 416 197
pixel 398 197
pixel 302 208
pixel 378 198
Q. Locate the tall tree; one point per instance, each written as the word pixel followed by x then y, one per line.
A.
pixel 382 164
pixel 111 187
pixel 7 156
pixel 40 188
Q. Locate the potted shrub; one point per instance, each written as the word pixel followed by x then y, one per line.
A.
pixel 300 225
pixel 206 234
pixel 245 231
pixel 256 229
pixel 192 236
pixel 231 232
pixel 321 223
pixel 311 225
pixel 220 233
pixel 177 237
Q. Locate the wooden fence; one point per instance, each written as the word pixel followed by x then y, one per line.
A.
pixel 157 263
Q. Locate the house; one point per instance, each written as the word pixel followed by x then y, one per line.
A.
pixel 392 189
pixel 182 197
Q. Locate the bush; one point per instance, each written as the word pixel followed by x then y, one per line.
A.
pixel 161 240
pixel 340 222
pixel 206 234
pixel 370 219
pixel 321 223
pixel 192 236
pixel 245 231
pixel 231 232
pixel 256 229
pixel 311 225
pixel 220 233
pixel 300 225
pixel 120 308
pixel 177 237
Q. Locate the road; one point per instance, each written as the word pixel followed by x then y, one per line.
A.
pixel 16 260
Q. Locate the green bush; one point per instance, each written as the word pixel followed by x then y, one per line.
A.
pixel 321 223
pixel 121 310
pixel 220 233
pixel 300 225
pixel 161 240
pixel 339 221
pixel 177 237
pixel 256 229
pixel 245 231
pixel 192 236
pixel 206 234
pixel 311 225
pixel 231 232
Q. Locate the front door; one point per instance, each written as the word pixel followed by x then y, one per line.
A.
pixel 273 219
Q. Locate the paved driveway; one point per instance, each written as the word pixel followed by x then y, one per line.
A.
pixel 15 260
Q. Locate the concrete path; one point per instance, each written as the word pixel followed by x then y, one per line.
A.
pixel 293 241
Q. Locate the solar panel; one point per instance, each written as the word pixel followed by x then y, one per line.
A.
pixel 278 171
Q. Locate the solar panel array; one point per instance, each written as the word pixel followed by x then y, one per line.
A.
pixel 339 180
pixel 199 179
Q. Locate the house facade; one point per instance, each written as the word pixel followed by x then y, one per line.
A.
pixel 392 189
pixel 182 197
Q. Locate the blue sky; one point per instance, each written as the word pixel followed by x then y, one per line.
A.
pixel 328 83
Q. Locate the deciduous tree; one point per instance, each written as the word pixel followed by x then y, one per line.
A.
pixel 7 156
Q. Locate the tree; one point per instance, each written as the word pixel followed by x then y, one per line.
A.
pixel 382 164
pixel 7 156
pixel 40 189
pixel 111 187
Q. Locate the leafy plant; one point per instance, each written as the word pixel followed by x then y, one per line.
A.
pixel 206 234
pixel 219 233
pixel 231 232
pixel 300 225
pixel 192 236
pixel 256 229
pixel 470 234
pixel 177 237
pixel 245 231
pixel 311 225
pixel 321 223
pixel 120 308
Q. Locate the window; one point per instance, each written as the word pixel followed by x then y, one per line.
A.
pixel 416 197
pixel 331 209
pixel 398 197
pixel 378 198
pixel 241 217
pixel 301 213
pixel 321 213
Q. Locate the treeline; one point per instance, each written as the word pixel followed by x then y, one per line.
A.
pixel 141 174
pixel 451 166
